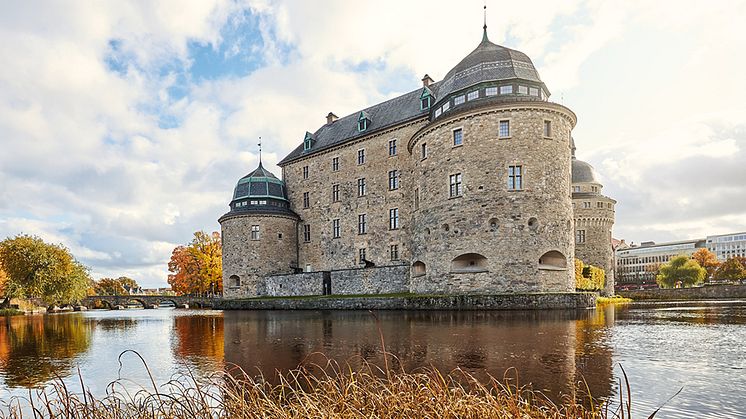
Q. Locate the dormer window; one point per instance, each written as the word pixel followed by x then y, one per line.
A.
pixel 426 99
pixel 308 141
pixel 363 121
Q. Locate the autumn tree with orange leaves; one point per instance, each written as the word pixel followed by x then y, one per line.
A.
pixel 707 260
pixel 197 268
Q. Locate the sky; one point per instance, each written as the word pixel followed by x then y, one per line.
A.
pixel 125 125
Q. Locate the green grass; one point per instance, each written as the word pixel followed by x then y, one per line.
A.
pixel 613 300
pixel 11 312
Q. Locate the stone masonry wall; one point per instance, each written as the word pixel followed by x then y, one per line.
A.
pixel 252 260
pixel 597 224
pixel 323 251
pixel 512 229
pixel 306 283
pixel 378 280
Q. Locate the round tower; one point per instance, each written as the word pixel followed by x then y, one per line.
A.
pixel 594 218
pixel 492 206
pixel 259 234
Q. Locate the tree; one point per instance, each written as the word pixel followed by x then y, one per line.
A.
pixel 42 270
pixel 198 266
pixel 589 277
pixel 731 270
pixel 109 286
pixel 129 284
pixel 707 260
pixel 680 269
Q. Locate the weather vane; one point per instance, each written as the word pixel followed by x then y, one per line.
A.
pixel 260 150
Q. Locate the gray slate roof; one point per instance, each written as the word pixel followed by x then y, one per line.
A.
pixel 383 115
pixel 487 62
pixel 583 172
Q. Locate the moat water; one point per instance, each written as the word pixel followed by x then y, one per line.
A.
pixel 699 346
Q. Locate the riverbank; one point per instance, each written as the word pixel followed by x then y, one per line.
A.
pixel 327 391
pixel 709 292
pixel 536 301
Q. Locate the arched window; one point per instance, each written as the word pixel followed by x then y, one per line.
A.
pixel 469 262
pixel 553 260
pixel 418 268
pixel 234 281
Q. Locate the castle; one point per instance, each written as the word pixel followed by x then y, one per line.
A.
pixel 465 185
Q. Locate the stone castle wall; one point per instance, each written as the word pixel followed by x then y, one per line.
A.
pixel 306 283
pixel 324 252
pixel 597 223
pixel 379 280
pixel 511 229
pixel 251 260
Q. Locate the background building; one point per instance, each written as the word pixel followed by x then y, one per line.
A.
pixel 637 266
pixel 726 246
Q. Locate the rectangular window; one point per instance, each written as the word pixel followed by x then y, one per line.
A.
pixel 459 100
pixel 490 91
pixel 438 112
pixel 504 129
pixel 472 95
pixel 306 200
pixel 515 178
pixel 522 90
pixel 362 227
pixel 446 106
pixel 576 188
pixel 586 204
pixel 335 164
pixel 361 187
pixel 533 91
pixel 394 251
pixel 423 151
pixel 393 218
pixel 458 137
pixel 580 236
pixel 306 233
pixel 392 147
pixel 506 90
pixel 335 193
pixel 455 181
pixel 361 156
pixel 393 180
pixel 417 198
pixel 361 256
pixel 425 103
pixel 599 204
pixel 254 232
pixel 335 228
pixel 305 172
pixel 548 129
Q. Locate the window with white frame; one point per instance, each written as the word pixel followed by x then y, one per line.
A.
pixel 335 164
pixel 361 191
pixel 394 251
pixel 459 100
pixel 522 90
pixel 438 112
pixel 533 91
pixel 506 90
pixel 361 156
pixel 393 180
pixel 490 91
pixel 393 218
pixel 392 147
pixel 255 232
pixel 362 225
pixel 336 230
pixel 446 106
pixel 458 136
pixel 472 95
pixel 515 178
pixel 455 185
pixel 504 130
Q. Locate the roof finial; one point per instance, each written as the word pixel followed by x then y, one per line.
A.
pixel 484 35
pixel 260 151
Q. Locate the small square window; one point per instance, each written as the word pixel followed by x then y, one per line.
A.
pixel 458 137
pixel 506 90
pixel 438 112
pixel 446 106
pixel 472 95
pixel 522 90
pixel 533 91
pixel 459 100
pixel 490 91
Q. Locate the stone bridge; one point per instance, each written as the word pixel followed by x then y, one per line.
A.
pixel 149 301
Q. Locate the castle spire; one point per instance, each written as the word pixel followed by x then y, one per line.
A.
pixel 260 151
pixel 484 34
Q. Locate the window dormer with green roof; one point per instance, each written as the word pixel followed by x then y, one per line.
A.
pixel 363 121
pixel 426 98
pixel 308 141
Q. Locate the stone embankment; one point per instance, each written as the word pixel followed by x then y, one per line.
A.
pixel 710 292
pixel 538 301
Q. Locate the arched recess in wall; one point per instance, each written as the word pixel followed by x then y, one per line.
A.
pixel 468 263
pixel 234 281
pixel 418 268
pixel 552 260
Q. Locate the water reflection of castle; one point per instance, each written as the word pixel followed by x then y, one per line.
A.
pixel 553 350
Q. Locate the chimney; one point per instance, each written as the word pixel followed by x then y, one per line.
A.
pixel 331 118
pixel 426 81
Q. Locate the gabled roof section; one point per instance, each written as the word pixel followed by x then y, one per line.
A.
pixel 382 116
pixel 426 92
